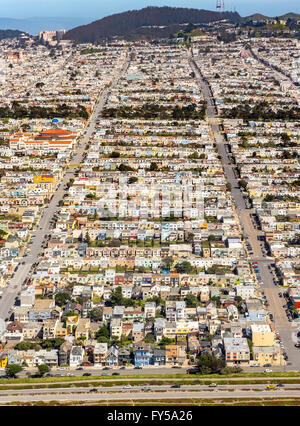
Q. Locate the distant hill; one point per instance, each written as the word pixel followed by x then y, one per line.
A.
pixel 10 34
pixel 255 17
pixel 259 17
pixel 290 15
pixel 34 25
pixel 148 22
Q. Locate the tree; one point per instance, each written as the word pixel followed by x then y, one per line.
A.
pixel 231 370
pixel 184 267
pixel 228 186
pixel 62 298
pixel 191 301
pixel 132 179
pixel 167 262
pixel 167 341
pixel 23 346
pixel 13 369
pixel 43 369
pixel 153 167
pixel 116 298
pixel 243 183
pixel 102 335
pixel 115 154
pixel 95 314
pixel 209 364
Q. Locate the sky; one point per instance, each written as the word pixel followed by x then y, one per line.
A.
pixel 97 9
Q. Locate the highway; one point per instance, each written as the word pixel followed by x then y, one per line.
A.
pixel 128 396
pixel 145 388
pixel 26 263
pixel 282 325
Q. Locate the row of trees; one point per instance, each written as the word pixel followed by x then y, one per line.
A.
pixel 262 111
pixel 156 111
pixel 20 111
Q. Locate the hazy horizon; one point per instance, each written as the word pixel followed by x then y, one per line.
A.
pixel 97 9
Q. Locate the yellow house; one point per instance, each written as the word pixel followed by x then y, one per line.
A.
pixel 44 179
pixel 267 355
pixel 262 335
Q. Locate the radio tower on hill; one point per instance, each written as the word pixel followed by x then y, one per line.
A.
pixel 220 5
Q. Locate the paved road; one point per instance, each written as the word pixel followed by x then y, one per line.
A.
pixel 128 397
pixel 44 228
pixel 278 72
pixel 285 329
pixel 153 388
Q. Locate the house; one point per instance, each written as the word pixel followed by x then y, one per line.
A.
pixel 32 330
pixel 124 356
pixel 262 335
pixel 267 355
pixel 159 357
pixel 100 353
pixel 64 353
pixel 171 354
pixel 76 356
pixel 14 331
pixel 112 356
pixel 138 331
pixel 41 310
pixel 236 351
pixel 142 355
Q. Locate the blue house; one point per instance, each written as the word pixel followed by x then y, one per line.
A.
pixel 142 355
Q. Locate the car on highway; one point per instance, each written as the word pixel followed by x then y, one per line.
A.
pixel 93 390
pixel 175 386
pixel 271 387
pixel 268 370
pixel 146 388
pixel 138 367
pixel 212 385
pixel 106 368
pixel 115 374
pixel 79 368
pixel 127 387
pixel 87 374
pixel 280 385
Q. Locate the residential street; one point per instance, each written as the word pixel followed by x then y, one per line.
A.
pixel 39 235
pixel 280 321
